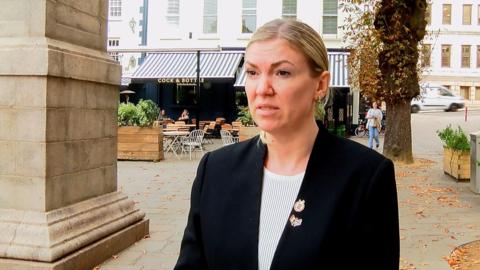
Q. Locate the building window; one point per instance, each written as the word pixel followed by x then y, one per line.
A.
pixel 114 55
pixel 446 55
pixel 185 95
pixel 425 56
pixel 173 13
pixel 465 56
pixel 289 9
pixel 115 8
pixel 465 92
pixel 447 14
pixel 330 14
pixel 210 16
pixel 478 56
pixel 113 42
pixel 478 14
pixel 477 93
pixel 428 14
pixel 249 16
pixel 467 14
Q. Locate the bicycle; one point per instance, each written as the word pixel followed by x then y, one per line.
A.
pixel 361 129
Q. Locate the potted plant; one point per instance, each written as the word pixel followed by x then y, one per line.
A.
pixel 137 138
pixel 456 152
pixel 248 128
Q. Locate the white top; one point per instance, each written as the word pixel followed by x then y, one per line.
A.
pixel 278 196
pixel 377 113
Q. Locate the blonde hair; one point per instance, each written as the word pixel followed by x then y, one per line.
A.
pixel 305 39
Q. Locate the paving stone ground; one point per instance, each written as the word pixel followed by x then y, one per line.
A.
pixel 436 212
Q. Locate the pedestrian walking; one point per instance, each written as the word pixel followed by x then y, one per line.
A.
pixel 294 197
pixel 374 124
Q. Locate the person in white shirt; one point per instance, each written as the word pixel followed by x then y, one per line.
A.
pixel 374 124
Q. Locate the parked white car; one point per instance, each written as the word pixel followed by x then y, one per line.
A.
pixel 436 97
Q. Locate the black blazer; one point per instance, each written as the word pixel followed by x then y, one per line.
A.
pixel 350 220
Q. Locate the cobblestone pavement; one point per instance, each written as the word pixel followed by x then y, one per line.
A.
pixel 436 212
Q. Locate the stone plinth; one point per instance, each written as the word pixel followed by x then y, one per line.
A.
pixel 58 141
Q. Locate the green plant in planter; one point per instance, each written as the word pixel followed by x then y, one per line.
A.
pixel 143 115
pixel 127 114
pixel 147 112
pixel 454 139
pixel 245 117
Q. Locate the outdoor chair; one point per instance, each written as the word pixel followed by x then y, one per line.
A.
pixel 208 135
pixel 193 142
pixel 227 138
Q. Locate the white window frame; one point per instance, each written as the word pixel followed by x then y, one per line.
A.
pixel 464 19
pixel 465 55
pixel 115 8
pixel 210 15
pixel 113 42
pixel 254 14
pixel 169 15
pixel 445 15
pixel 330 15
pixel 443 63
pixel 289 15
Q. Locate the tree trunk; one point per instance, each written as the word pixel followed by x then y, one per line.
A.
pixel 398 134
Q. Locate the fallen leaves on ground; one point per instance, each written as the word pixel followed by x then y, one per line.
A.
pixel 465 257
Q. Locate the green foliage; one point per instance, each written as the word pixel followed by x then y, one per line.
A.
pixel 454 139
pixel 143 115
pixel 147 112
pixel 245 117
pixel 127 114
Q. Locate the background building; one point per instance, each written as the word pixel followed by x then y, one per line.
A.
pixel 167 33
pixel 451 54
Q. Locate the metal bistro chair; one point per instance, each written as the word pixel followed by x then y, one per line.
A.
pixel 193 142
pixel 227 138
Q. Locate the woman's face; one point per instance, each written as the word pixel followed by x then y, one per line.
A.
pixel 375 105
pixel 281 89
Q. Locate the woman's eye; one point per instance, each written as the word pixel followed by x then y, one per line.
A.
pixel 251 73
pixel 283 73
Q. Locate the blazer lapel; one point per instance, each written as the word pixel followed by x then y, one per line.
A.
pixel 252 173
pixel 318 206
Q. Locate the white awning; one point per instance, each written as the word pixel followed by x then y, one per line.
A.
pixel 337 67
pixel 125 81
pixel 184 65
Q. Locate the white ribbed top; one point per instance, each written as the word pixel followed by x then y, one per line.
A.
pixel 278 196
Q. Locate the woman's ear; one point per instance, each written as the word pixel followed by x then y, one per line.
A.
pixel 323 83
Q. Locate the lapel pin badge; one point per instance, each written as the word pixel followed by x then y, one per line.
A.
pixel 299 206
pixel 294 221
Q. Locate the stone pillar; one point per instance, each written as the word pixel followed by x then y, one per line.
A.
pixel 59 204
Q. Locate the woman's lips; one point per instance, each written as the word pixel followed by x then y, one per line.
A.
pixel 265 109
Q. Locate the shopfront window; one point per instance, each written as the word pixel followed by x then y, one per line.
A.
pixel 185 95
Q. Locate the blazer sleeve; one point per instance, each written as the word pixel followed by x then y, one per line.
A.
pixel 380 225
pixel 192 256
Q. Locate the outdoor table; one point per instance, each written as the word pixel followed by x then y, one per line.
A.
pixel 172 141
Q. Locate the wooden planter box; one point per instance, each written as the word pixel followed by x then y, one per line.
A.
pixel 456 163
pixel 137 143
pixel 246 133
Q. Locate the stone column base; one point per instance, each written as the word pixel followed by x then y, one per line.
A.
pixel 49 236
pixel 89 256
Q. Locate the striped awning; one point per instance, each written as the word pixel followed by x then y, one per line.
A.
pixel 184 65
pixel 125 80
pixel 337 67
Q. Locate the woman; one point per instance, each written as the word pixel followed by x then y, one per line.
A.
pixel 184 116
pixel 299 197
pixel 374 124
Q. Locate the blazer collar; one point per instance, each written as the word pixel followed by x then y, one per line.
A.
pixel 318 154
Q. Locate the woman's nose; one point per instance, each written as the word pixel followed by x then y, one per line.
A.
pixel 264 85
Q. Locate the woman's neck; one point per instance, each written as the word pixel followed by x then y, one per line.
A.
pixel 288 152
